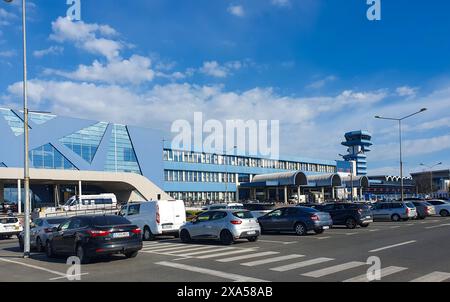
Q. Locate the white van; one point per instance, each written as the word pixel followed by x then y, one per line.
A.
pixel 91 202
pixel 162 217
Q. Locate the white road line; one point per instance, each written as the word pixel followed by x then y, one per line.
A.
pixel 65 276
pixel 322 238
pixel 256 255
pixel 271 260
pixel 433 277
pixel 392 246
pixel 395 227
pixel 226 253
pixel 374 230
pixel 234 277
pixel 190 249
pixel 278 242
pixel 350 234
pixel 201 252
pixel 292 266
pixel 333 269
pixel 151 246
pixel 34 266
pixel 170 249
pixel 438 226
pixel 384 272
pixel 163 247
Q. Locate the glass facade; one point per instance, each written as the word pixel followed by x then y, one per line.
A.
pixel 121 156
pixel 40 118
pixel 85 142
pixel 14 121
pixel 198 176
pixel 203 196
pixel 47 157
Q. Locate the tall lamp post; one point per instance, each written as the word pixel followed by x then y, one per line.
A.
pixel 399 120
pixel 26 243
pixel 431 174
pixel 226 171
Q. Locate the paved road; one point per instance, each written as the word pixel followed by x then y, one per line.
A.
pixel 409 251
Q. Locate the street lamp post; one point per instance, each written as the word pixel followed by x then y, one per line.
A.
pixel 26 252
pixel 226 172
pixel 431 174
pixel 399 120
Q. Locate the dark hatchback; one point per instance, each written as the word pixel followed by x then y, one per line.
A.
pixel 91 236
pixel 349 214
pixel 297 219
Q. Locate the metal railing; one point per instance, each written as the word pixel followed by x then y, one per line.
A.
pixel 96 211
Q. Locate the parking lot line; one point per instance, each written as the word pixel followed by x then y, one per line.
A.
pixel 278 242
pixel 374 230
pixel 438 226
pixel 160 247
pixel 34 267
pixel 395 227
pixel 185 249
pixel 249 256
pixel 384 273
pixel 229 276
pixel 226 253
pixel 322 238
pixel 301 264
pixel 271 260
pixel 333 269
pixel 392 246
pixel 433 277
pixel 214 249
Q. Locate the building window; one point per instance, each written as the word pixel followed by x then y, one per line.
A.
pixel 47 157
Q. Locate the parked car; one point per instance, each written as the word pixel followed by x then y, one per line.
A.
pixel 394 211
pixel 297 219
pixel 424 209
pixel 154 218
pixel 9 226
pixel 442 207
pixel 91 236
pixel 40 230
pixel 259 209
pixel 349 214
pixel 223 206
pixel 224 225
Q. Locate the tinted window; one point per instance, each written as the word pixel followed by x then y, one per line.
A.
pixel 56 221
pixel 276 213
pixel 290 211
pixel 436 202
pixel 65 225
pixel 243 214
pixel 109 220
pixel 8 220
pixel 75 224
pixel 218 215
pixel 204 216
pixel 38 222
pixel 217 207
pixel 134 209
pixel 307 210
pixel 397 205
pixel 410 205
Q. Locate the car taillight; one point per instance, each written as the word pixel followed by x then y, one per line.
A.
pixel 360 211
pixel 407 210
pixel 136 231
pixel 315 218
pixel 236 222
pixel 95 233
pixel 158 218
pixel 48 230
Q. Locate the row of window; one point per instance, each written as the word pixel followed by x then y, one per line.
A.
pixel 197 176
pixel 204 196
pixel 231 160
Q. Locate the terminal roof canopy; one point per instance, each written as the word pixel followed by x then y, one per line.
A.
pixel 296 178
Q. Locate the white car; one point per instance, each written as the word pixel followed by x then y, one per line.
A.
pixel 154 218
pixel 442 207
pixel 9 226
pixel 223 206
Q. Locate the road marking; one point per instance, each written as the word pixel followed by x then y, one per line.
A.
pixel 34 266
pixel 271 260
pixel 384 273
pixel 151 248
pixel 374 230
pixel 256 255
pixel 67 276
pixel 179 248
pixel 278 242
pixel 433 277
pixel 351 234
pixel 395 227
pixel 438 226
pixel 392 246
pixel 292 266
pixel 226 253
pixel 185 249
pixel 202 252
pixel 234 277
pixel 333 269
pixel 322 238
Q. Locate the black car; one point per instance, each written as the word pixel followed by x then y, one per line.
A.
pixel 349 214
pixel 91 236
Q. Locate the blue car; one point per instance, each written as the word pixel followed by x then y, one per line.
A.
pixel 300 220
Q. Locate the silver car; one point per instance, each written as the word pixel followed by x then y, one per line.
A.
pixel 224 225
pixel 40 231
pixel 394 211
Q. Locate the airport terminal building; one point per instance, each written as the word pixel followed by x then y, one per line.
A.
pixel 70 156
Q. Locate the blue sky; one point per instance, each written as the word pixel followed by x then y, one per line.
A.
pixel 318 66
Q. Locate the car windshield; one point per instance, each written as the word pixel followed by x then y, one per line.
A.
pixel 56 221
pixel 109 220
pixel 236 207
pixel 410 205
pixel 8 220
pixel 243 214
pixel 70 202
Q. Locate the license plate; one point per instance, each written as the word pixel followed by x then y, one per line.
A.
pixel 121 235
pixel 251 233
pixel 166 227
pixel 326 227
pixel 368 217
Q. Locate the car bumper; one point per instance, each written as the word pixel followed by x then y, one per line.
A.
pixel 249 234
pixel 321 224
pixel 93 250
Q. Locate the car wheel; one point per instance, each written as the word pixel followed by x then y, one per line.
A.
pixel 319 231
pixel 350 223
pixel 185 236
pixel 81 254
pixel 395 217
pixel 226 237
pixel 253 239
pixel 300 229
pixel 444 213
pixel 147 235
pixel 131 254
pixel 365 225
pixel 49 250
pixel 39 246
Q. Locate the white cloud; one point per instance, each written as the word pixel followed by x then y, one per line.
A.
pixel 7 53
pixel 135 70
pixel 236 10
pixel 214 69
pixel 90 37
pixel 322 82
pixel 52 50
pixel 281 3
pixel 406 91
pixel 6 17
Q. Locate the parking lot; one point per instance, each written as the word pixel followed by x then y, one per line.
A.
pixel 409 251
